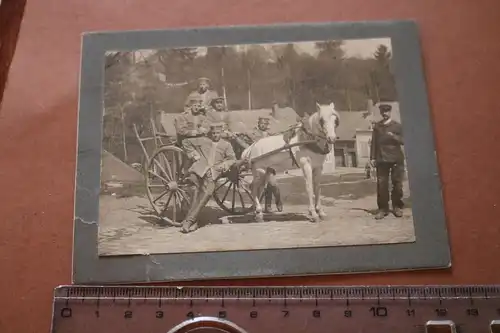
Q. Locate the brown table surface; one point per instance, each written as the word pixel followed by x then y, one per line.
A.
pixel 39 114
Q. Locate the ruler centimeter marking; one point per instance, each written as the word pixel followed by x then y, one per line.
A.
pixel 409 309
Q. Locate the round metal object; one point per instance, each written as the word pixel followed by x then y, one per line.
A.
pixel 207 325
pixel 172 186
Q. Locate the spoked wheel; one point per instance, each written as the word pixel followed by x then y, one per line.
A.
pixel 232 192
pixel 167 193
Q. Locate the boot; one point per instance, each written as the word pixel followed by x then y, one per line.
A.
pixel 268 196
pixel 381 214
pixel 277 196
pixel 187 226
pixel 397 212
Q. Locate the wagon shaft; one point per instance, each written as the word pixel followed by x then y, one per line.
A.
pixel 279 150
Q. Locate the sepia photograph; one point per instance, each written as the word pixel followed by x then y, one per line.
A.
pixel 252 147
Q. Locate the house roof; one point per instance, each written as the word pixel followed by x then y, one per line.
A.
pixel 114 169
pixel 243 120
pixel 246 120
pixel 167 122
pixel 353 121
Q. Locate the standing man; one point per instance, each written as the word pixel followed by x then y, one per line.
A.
pixel 387 156
pixel 261 131
pixel 215 156
pixel 203 94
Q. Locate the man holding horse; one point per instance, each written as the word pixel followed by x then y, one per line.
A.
pixel 388 158
pixel 216 156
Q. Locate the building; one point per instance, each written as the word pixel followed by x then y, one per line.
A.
pixel 354 126
pixel 352 148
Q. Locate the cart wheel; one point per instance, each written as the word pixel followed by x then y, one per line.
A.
pixel 232 192
pixel 167 193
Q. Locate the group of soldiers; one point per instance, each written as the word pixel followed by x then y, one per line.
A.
pixel 203 132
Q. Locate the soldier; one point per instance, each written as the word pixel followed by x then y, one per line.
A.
pixel 261 131
pixel 215 157
pixel 203 93
pixel 190 126
pixel 218 104
pixel 218 112
pixel 388 158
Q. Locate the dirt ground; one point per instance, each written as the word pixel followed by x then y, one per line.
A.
pixel 127 225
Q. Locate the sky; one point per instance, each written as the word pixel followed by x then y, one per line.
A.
pixel 363 48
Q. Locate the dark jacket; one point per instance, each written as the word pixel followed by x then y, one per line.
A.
pixel 384 147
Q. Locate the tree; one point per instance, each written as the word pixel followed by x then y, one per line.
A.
pixel 382 79
pixel 382 56
pixel 254 58
pixel 331 49
pixel 287 63
pixel 118 95
pixel 138 87
pixel 130 98
pixel 177 62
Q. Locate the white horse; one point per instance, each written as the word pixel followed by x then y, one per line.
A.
pixel 317 132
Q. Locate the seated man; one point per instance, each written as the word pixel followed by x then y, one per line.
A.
pixel 216 156
pixel 218 113
pixel 190 126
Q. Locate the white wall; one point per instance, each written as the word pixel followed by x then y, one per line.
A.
pixel 363 139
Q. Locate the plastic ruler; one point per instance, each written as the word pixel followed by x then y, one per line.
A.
pixel 377 309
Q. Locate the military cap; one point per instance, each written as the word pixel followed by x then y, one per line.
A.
pixel 195 99
pixel 217 99
pixel 204 79
pixel 385 107
pixel 216 125
pixel 265 119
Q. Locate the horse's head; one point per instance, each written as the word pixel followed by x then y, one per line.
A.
pixel 329 120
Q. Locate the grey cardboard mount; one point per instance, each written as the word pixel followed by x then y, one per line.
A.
pixel 429 251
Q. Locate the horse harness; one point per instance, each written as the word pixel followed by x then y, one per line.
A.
pixel 312 141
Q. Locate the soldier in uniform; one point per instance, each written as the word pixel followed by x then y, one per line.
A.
pixel 190 126
pixel 215 157
pixel 261 131
pixel 387 157
pixel 203 94
pixel 218 112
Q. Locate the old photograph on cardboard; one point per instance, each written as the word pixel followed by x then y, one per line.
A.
pixel 252 146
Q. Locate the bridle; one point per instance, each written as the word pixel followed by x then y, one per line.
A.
pixel 321 122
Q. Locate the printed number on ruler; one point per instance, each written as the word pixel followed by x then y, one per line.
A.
pixel 323 309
